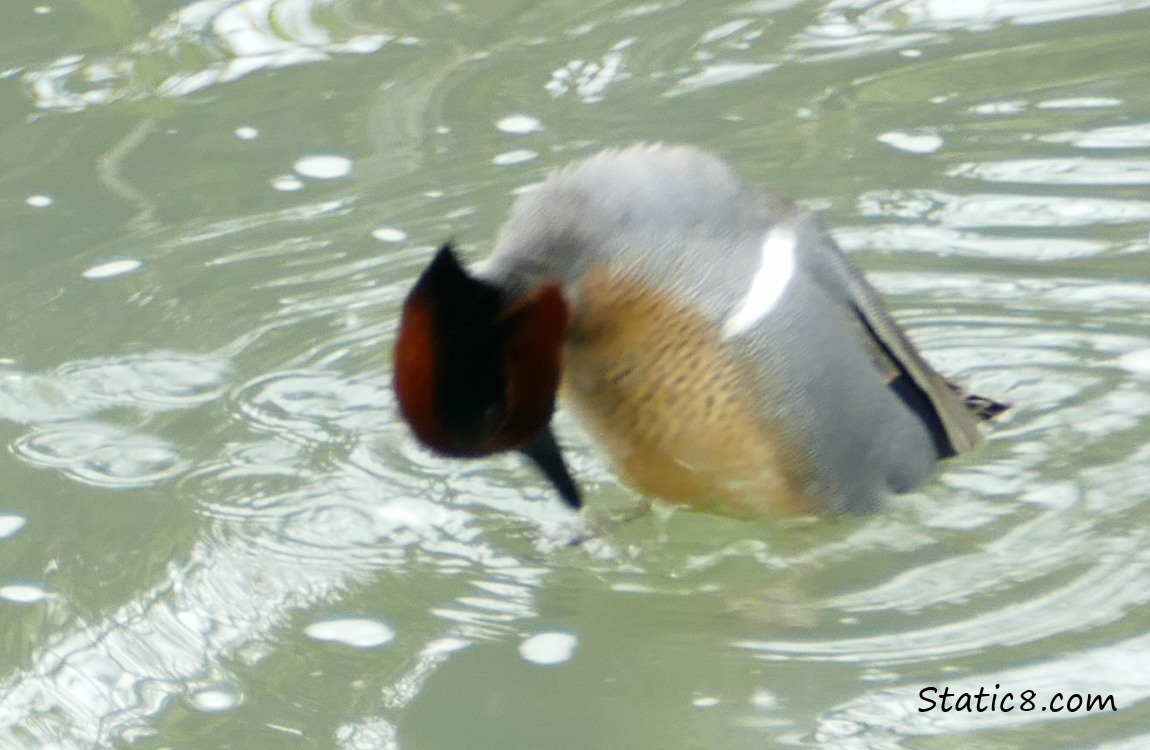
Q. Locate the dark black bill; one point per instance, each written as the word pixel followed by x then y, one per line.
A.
pixel 544 453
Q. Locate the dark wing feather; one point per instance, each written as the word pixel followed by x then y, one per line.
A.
pixel 936 399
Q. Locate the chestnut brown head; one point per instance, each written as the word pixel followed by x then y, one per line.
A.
pixel 476 374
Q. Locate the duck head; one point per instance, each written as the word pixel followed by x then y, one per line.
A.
pixel 476 374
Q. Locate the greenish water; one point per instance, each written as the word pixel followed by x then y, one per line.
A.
pixel 214 532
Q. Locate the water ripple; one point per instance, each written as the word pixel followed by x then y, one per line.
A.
pixel 868 721
pixel 941 241
pixel 1059 171
pixel 105 682
pixel 231 39
pixel 858 26
pixel 316 406
pixel 1109 137
pixel 101 455
pixel 993 210
pixel 155 381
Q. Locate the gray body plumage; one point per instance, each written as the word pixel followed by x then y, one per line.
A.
pixel 819 362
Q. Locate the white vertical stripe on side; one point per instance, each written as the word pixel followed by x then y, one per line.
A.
pixel 770 281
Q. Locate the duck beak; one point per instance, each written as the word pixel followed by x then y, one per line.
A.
pixel 544 453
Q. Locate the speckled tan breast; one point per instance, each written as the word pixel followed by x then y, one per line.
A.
pixel 653 381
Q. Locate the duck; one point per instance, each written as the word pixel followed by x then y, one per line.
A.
pixel 708 335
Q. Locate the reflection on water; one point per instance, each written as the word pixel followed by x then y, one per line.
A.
pixel 589 79
pixel 1101 672
pixel 1119 136
pixel 869 21
pixel 1006 227
pixel 1060 171
pixel 998 210
pixel 202 44
pixel 264 556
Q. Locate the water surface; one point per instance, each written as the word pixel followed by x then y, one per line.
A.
pixel 214 532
